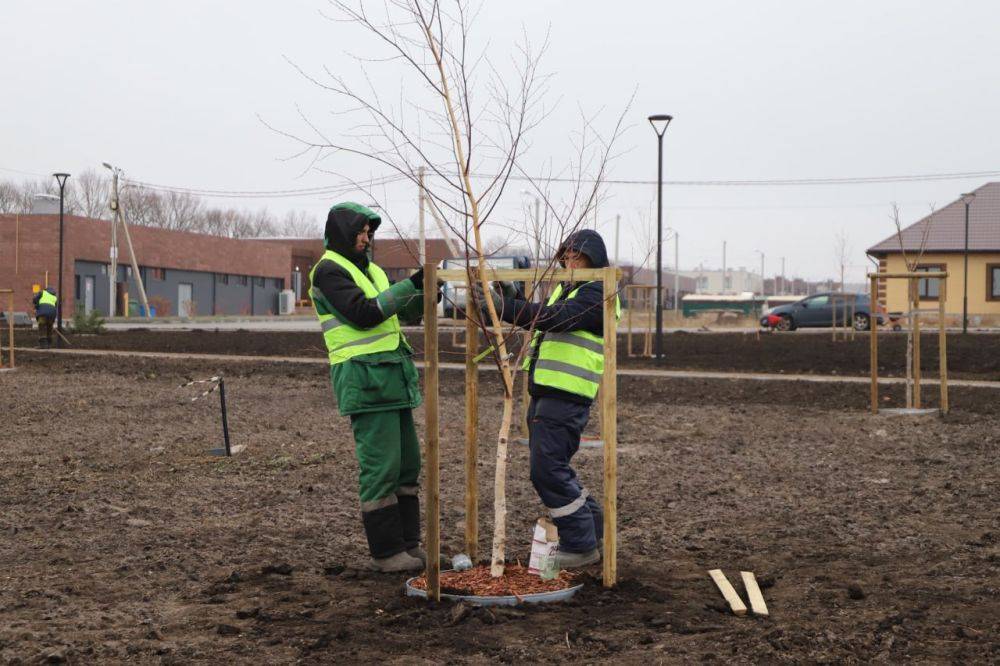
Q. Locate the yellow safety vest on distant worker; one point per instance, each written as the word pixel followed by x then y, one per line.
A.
pixel 343 339
pixel 47 298
pixel 571 362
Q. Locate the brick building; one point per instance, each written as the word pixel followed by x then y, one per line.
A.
pixel 184 273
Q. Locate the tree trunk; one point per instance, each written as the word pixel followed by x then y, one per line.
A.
pixel 500 490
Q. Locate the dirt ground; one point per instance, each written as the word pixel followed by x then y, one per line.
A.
pixel 971 357
pixel 876 538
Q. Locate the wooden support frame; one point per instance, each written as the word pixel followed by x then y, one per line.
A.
pixel 649 307
pixel 10 330
pixel 913 300
pixel 608 397
pixel 847 303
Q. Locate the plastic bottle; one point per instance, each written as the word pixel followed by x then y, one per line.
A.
pixel 549 569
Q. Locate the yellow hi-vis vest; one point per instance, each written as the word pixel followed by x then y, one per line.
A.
pixel 47 298
pixel 343 339
pixel 572 362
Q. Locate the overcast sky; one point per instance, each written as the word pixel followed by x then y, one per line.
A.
pixel 173 92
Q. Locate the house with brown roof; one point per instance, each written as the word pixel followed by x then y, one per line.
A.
pixel 938 242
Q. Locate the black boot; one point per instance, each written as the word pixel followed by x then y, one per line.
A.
pixel 409 513
pixel 384 530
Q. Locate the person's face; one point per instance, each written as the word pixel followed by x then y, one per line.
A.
pixel 362 240
pixel 573 259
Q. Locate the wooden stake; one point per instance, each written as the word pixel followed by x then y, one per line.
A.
pixel 916 344
pixel 525 398
pixel 873 335
pixel 943 345
pixel 10 329
pixel 757 604
pixel 650 315
pixel 735 603
pixel 471 438
pixel 630 291
pixel 609 408
pixel 432 490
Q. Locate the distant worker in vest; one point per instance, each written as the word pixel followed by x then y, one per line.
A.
pixel 565 364
pixel 374 380
pixel 45 302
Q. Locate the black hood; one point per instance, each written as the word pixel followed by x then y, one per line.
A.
pixel 343 224
pixel 588 243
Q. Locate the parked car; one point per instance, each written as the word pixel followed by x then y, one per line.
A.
pixel 817 311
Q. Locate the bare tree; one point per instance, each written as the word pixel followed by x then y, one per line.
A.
pixel 842 251
pixel 912 263
pixel 463 117
pixel 89 193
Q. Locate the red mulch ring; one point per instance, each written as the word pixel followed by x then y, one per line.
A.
pixel 516 581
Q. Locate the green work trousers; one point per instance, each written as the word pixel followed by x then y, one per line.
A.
pixel 388 452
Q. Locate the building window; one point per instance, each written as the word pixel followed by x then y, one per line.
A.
pixel 241 280
pixel 258 281
pixel 159 274
pixel 222 278
pixel 930 289
pixel 702 283
pixel 279 283
pixel 993 282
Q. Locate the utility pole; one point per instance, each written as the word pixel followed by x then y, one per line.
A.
pixel 723 267
pixel 677 276
pixel 120 218
pixel 113 252
pixel 538 230
pixel 420 199
pixel 761 272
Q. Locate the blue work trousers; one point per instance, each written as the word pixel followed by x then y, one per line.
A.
pixel 555 427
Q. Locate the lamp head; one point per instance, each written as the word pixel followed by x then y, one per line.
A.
pixel 659 122
pixel 61 179
pixel 968 197
pixel 107 166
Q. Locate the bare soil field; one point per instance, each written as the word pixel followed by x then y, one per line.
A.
pixel 971 357
pixel 875 538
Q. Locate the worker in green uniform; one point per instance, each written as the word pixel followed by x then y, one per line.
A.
pixel 374 380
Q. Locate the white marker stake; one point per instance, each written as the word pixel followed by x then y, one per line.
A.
pixel 757 604
pixel 735 603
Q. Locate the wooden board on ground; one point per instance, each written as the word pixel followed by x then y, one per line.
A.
pixel 735 603
pixel 757 604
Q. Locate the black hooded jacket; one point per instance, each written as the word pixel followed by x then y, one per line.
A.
pixel 584 312
pixel 343 224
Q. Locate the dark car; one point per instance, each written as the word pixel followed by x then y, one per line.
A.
pixel 817 311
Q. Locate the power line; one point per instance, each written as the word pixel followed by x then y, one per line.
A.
pixel 267 194
pixel 25 173
pixel 848 180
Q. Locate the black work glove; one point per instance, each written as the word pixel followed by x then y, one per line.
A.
pixel 418 279
pixel 508 289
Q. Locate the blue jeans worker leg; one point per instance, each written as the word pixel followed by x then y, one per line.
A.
pixel 555 427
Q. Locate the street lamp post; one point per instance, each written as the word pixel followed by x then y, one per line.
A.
pixel 659 123
pixel 761 253
pixel 61 179
pixel 967 200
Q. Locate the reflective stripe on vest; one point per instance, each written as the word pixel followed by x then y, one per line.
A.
pixel 343 339
pixel 47 298
pixel 572 362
